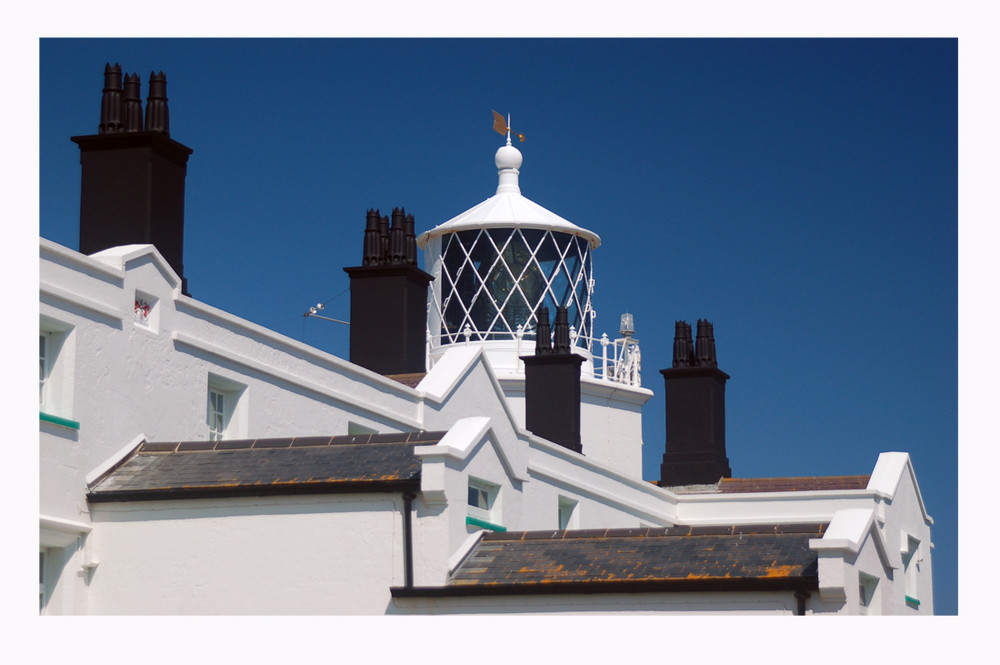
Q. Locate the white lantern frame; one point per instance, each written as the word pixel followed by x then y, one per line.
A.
pixel 493 280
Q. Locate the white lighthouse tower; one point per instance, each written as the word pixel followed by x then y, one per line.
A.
pixel 494 266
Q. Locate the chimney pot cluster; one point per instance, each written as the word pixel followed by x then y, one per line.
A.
pixel 547 343
pixel 389 298
pixel 695 396
pixel 698 354
pixel 389 245
pixel 121 105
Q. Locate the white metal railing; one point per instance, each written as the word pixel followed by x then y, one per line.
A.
pixel 624 364
pixel 620 360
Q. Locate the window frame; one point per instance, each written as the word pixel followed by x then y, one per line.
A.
pixel 911 562
pixel 568 515
pixel 56 364
pixel 234 408
pixel 868 594
pixel 490 492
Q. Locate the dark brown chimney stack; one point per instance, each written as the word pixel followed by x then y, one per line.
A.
pixel 695 393
pixel 132 184
pixel 552 384
pixel 388 300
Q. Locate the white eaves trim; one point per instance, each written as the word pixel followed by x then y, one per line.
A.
pixel 888 473
pixel 508 210
pixel 57 532
pixel 411 422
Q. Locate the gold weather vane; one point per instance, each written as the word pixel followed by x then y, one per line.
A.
pixel 501 127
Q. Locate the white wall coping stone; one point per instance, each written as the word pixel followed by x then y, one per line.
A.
pixel 338 364
pixel 110 311
pixel 608 498
pixel 109 463
pixel 846 533
pixel 119 258
pixel 460 441
pixel 579 459
pixel 448 371
pixel 55 250
pixel 888 473
pixel 456 559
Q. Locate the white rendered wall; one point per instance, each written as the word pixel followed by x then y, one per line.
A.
pixel 129 382
pixel 287 555
pixel 134 381
pixel 610 420
pixel 900 513
pixel 123 382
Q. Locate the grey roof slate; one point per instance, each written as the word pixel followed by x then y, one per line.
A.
pixel 250 467
pixel 676 558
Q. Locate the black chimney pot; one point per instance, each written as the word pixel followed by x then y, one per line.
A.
pixel 157 113
pixel 543 336
pixel 133 104
pixel 397 237
pixel 411 241
pixel 683 348
pixel 111 100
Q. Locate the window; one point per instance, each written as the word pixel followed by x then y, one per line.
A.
pixel 43 367
pixel 356 428
pixel 480 497
pixel 483 504
pixel 41 580
pixel 911 564
pixel 55 378
pixel 226 409
pixel 567 514
pixel 218 419
pixel 867 588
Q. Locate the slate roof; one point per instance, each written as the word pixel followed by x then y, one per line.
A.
pixel 802 484
pixel 254 467
pixel 791 484
pixel 412 380
pixel 767 557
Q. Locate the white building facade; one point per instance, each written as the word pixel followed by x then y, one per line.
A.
pixel 182 470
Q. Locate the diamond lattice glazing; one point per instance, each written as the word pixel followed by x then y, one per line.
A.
pixel 494 280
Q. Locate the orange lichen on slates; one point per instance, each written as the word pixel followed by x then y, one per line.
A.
pixel 780 571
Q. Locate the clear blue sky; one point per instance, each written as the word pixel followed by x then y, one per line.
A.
pixel 800 194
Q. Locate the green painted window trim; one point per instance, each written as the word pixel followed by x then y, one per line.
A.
pixel 475 521
pixel 913 601
pixel 56 420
